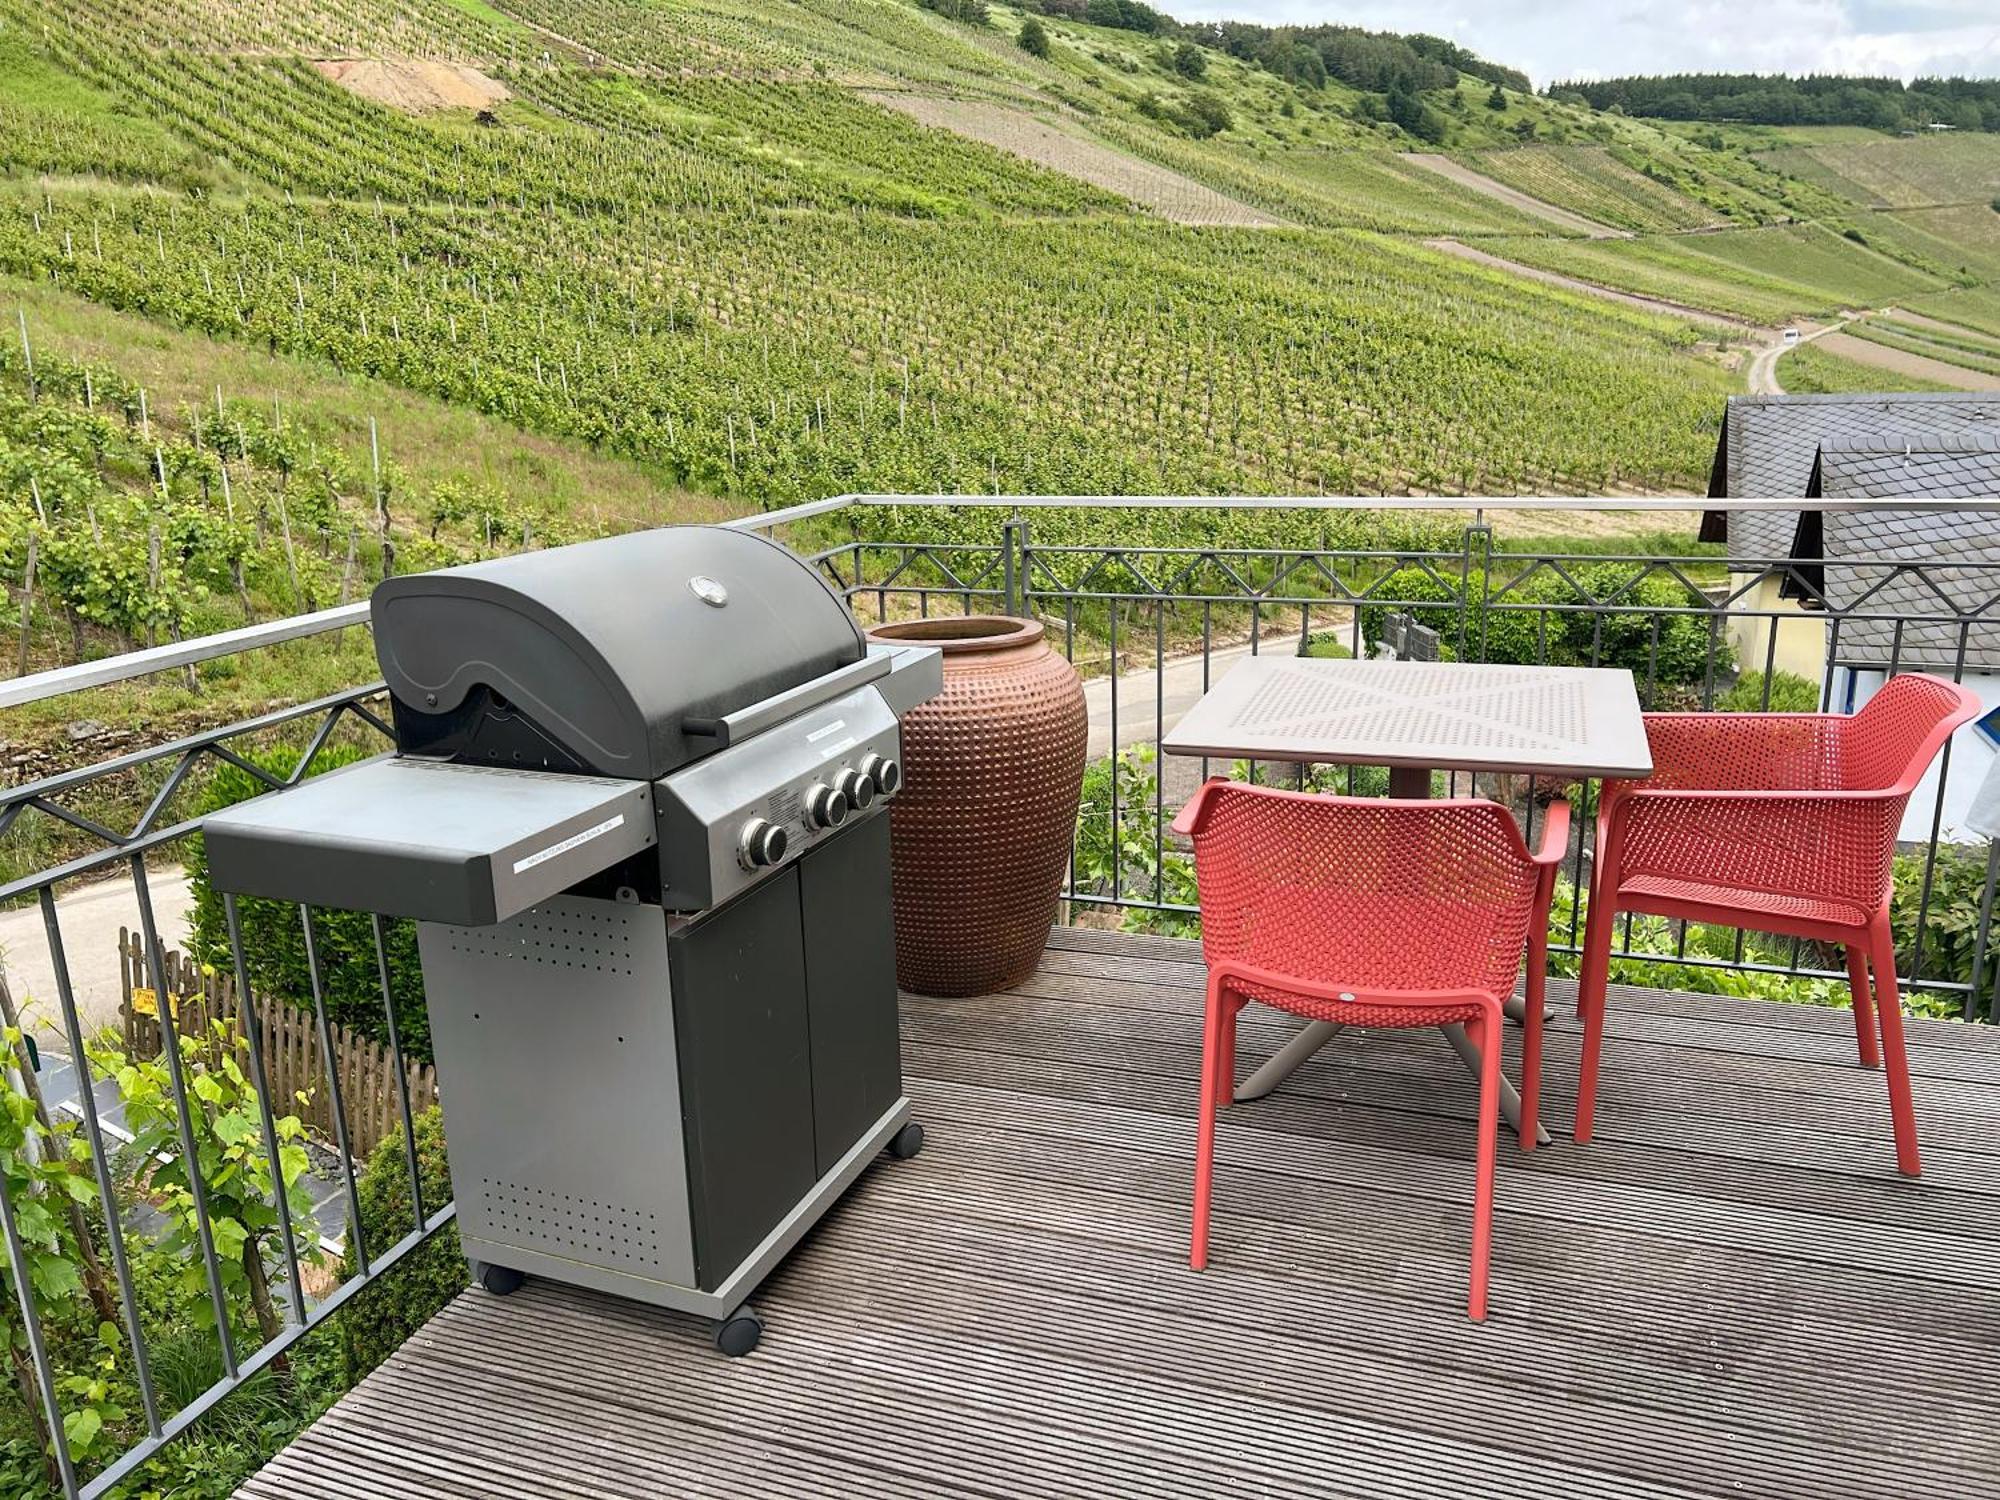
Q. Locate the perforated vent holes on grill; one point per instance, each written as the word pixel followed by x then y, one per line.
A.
pixel 570 1225
pixel 594 941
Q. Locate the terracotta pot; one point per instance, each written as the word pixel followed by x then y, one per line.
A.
pixel 981 830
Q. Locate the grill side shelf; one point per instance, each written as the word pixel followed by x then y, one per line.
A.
pixel 462 844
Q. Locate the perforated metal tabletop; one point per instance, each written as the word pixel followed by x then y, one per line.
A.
pixel 1451 716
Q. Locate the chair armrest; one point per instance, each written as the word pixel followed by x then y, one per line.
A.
pixel 1742 752
pixel 1815 845
pixel 1555 835
pixel 1187 822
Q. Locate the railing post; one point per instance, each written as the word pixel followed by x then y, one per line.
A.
pixel 1014 564
pixel 1475 552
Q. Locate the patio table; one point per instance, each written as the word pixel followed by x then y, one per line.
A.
pixel 1564 723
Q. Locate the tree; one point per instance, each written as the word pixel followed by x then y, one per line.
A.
pixel 1408 111
pixel 1190 61
pixel 1205 115
pixel 1034 37
pixel 1497 100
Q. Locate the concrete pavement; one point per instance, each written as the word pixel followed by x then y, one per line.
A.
pixel 90 916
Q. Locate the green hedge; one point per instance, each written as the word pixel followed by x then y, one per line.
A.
pixel 274 946
pixel 375 1324
pixel 1523 620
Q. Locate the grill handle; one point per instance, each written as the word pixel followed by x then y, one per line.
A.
pixel 757 717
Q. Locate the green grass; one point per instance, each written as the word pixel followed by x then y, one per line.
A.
pixel 1810 371
pixel 1767 275
pixel 1913 339
pixel 1592 182
pixel 431 441
pixel 1887 172
pixel 1976 308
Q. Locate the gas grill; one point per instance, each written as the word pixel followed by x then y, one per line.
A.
pixel 635 807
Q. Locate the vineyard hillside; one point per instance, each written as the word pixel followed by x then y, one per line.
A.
pixel 724 254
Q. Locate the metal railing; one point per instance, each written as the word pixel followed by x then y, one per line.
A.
pixel 1148 623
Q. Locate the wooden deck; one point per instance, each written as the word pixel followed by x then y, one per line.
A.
pixel 1730 1293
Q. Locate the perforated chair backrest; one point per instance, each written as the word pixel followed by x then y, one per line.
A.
pixel 1889 744
pixel 1431 896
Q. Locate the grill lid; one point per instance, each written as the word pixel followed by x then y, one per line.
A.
pixel 604 657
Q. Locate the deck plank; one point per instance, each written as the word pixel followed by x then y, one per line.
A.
pixel 1730 1293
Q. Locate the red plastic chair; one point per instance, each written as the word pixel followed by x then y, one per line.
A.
pixel 1369 913
pixel 1782 823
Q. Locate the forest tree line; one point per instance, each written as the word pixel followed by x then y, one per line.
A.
pixel 1821 99
pixel 1377 62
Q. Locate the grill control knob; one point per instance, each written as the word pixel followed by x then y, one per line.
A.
pixel 858 790
pixel 884 774
pixel 762 843
pixel 825 808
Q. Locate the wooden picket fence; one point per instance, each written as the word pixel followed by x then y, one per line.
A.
pixel 293 1061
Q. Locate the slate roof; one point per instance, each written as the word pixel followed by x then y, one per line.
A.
pixel 1768 446
pixel 1951 603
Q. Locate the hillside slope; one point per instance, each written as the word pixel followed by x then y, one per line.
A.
pixel 699 237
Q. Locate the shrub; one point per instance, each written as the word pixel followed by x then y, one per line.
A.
pixel 375 1324
pixel 1522 618
pixel 972 12
pixel 1190 61
pixel 1205 115
pixel 1034 37
pixel 1790 694
pixel 274 944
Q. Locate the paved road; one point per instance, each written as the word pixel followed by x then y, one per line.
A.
pixel 1140 692
pixel 91 916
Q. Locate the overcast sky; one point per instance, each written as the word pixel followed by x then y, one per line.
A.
pixel 1607 38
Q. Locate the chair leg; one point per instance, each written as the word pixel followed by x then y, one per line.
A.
pixel 1204 1145
pixel 1531 1039
pixel 1489 1130
pixel 1591 984
pixel 1895 1061
pixel 1225 1051
pixel 1864 1007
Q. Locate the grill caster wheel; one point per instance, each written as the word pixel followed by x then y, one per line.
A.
pixel 907 1142
pixel 737 1334
pixel 501 1281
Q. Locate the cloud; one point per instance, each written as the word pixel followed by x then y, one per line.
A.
pixel 1607 38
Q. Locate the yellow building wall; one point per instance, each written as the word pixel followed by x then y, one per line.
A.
pixel 1801 648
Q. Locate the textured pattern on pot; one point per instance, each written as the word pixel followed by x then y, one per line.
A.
pixel 982 832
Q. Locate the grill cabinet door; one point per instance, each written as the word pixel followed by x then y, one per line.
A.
pixel 739 992
pixel 850 986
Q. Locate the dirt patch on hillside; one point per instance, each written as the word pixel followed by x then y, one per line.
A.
pixel 1166 192
pixel 1514 198
pixel 1861 351
pixel 414 85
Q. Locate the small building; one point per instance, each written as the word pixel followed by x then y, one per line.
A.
pixel 1942 618
pixel 1889 614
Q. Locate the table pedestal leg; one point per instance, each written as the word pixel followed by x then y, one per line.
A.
pixel 1286 1060
pixel 1316 1034
pixel 1409 781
